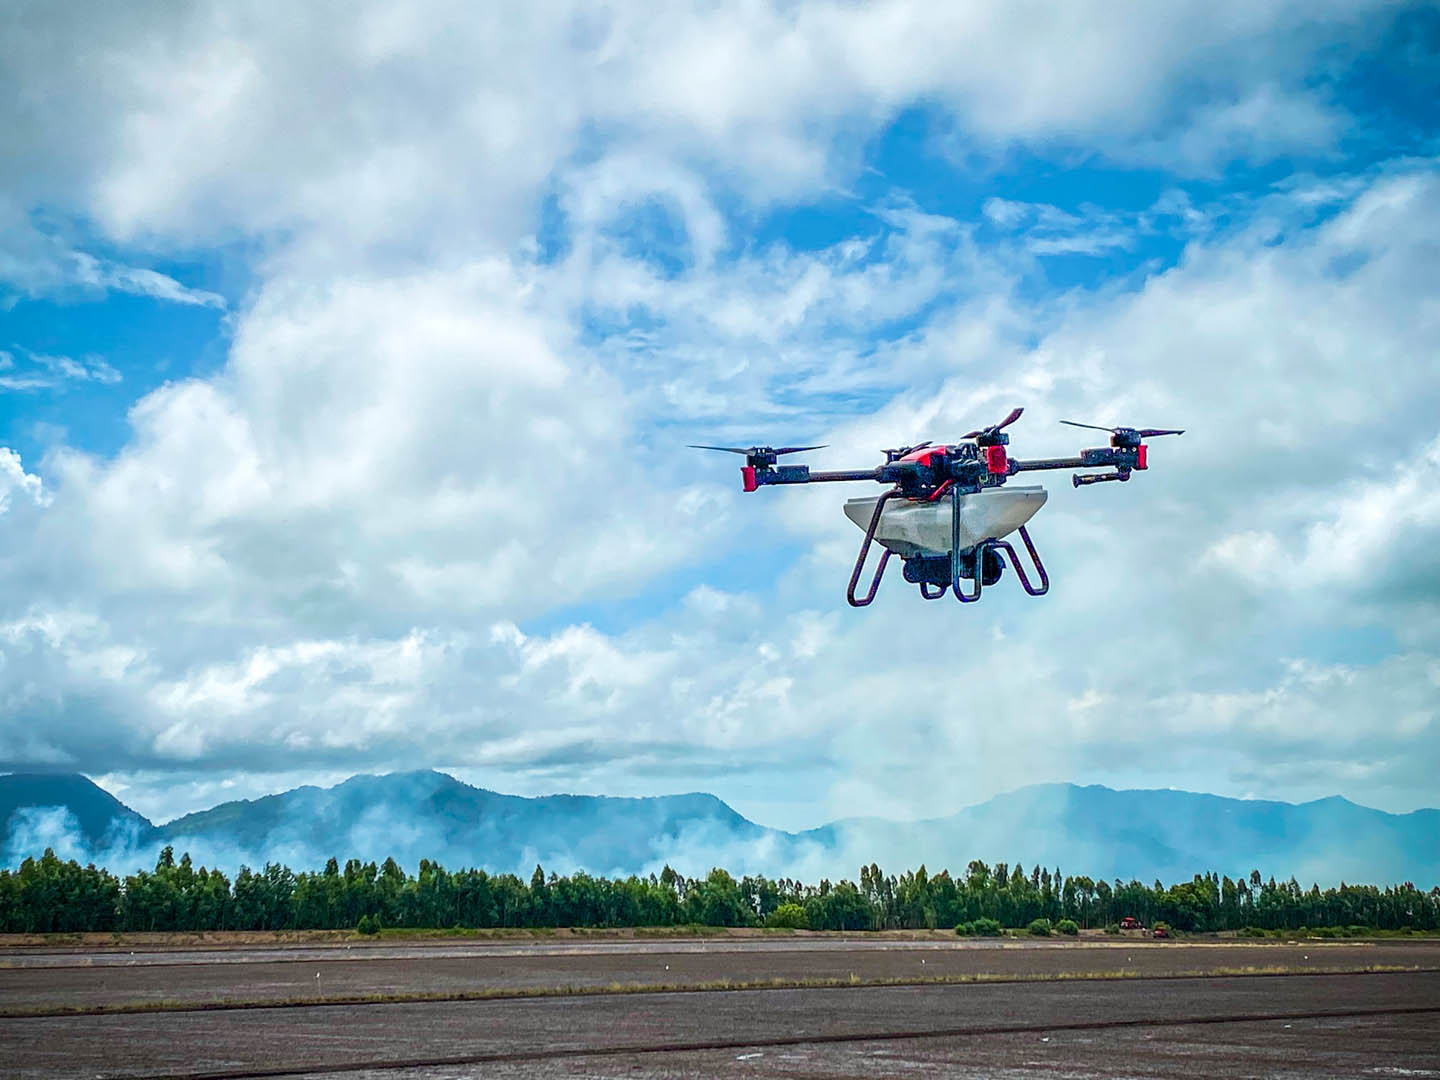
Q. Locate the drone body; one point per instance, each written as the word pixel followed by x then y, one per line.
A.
pixel 948 510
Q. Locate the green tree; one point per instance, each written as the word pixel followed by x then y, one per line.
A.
pixel 791 916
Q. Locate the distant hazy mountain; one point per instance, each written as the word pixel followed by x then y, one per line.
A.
pixel 1168 835
pixel 97 820
pixel 430 814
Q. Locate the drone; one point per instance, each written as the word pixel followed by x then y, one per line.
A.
pixel 948 509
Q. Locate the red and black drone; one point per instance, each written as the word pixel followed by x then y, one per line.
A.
pixel 948 510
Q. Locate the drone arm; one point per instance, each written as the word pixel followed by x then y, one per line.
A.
pixel 1099 458
pixel 803 474
pixel 843 475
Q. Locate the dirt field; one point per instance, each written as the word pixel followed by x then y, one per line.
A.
pixel 32 980
pixel 1381 1024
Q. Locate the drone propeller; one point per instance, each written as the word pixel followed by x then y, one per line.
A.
pixel 900 451
pixel 994 429
pixel 1144 433
pixel 754 451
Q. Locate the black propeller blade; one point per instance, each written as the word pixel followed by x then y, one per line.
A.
pixel 900 451
pixel 755 450
pixel 994 429
pixel 1144 433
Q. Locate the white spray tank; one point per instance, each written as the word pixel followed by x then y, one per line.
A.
pixel 924 527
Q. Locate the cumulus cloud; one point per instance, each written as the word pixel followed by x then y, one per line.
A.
pixel 376 421
pixel 433 440
pixel 395 527
pixel 14 480
pixel 1368 535
pixel 443 122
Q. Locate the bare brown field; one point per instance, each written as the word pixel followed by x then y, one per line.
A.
pixel 35 982
pixel 852 1007
pixel 1303 1025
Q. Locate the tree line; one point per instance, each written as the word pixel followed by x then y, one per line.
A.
pixel 47 895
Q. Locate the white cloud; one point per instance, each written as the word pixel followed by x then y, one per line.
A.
pixel 37 263
pixel 143 282
pixel 345 513
pixel 438 126
pixel 14 480
pixel 1264 124
pixel 1052 231
pixel 1370 537
pixel 425 437
pixel 69 369
pixel 45 371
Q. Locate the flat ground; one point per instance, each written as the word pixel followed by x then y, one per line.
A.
pixel 30 979
pixel 1152 1022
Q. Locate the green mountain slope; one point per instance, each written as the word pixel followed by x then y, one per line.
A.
pixel 101 819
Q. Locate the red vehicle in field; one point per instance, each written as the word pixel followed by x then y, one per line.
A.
pixel 1129 922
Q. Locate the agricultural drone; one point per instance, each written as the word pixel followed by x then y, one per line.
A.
pixel 948 511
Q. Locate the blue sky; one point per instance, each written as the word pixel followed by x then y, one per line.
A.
pixel 345 379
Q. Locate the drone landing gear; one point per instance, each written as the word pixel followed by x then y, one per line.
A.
pixel 975 565
pixel 869 596
pixel 1044 578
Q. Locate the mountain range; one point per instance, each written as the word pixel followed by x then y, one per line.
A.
pixel 1104 833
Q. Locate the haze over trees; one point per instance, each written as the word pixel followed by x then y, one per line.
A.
pixel 410 816
pixel 48 894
